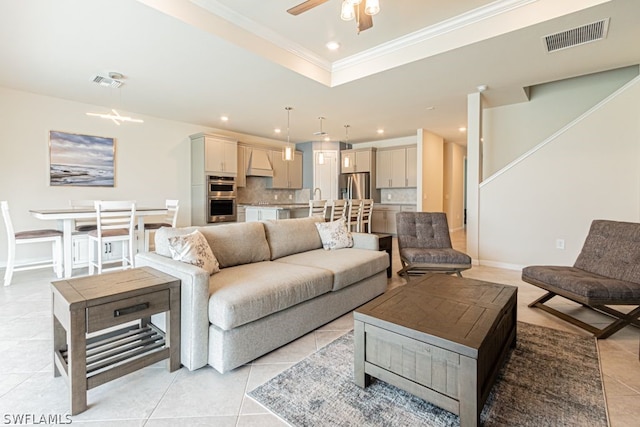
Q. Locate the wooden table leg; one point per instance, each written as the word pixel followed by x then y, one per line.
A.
pixel 173 329
pixel 360 377
pixel 77 361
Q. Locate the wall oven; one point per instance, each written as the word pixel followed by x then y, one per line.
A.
pixel 221 203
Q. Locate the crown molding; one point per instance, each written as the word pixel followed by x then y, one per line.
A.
pixel 263 32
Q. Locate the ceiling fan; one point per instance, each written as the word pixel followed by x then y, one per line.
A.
pixel 361 10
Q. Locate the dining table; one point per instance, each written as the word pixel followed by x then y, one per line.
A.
pixel 67 217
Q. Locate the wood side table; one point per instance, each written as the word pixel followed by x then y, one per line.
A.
pixel 385 243
pixel 93 303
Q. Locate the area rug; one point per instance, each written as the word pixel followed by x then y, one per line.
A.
pixel 551 378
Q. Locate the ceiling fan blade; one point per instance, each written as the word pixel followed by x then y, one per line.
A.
pixel 304 6
pixel 364 21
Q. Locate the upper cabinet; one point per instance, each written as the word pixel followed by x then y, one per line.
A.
pixel 241 178
pixel 397 167
pixel 357 160
pixel 214 155
pixel 286 174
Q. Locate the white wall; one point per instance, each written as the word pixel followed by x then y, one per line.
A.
pixel 589 171
pixel 430 171
pixel 510 131
pixel 152 161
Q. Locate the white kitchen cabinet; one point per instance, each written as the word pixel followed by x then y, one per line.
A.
pixel 286 173
pixel 412 166
pixel 383 218
pixel 212 155
pixel 241 177
pixel 241 214
pixel 397 168
pixel 258 214
pixel 357 160
pixel 80 251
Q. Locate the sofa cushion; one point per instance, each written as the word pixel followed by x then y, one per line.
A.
pixel 335 234
pixel 244 293
pixel 239 243
pixel 348 265
pixel 193 249
pixel 164 234
pixel 290 236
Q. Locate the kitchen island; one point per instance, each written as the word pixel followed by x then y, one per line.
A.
pixel 275 211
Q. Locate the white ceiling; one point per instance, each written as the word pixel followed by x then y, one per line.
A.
pixel 194 61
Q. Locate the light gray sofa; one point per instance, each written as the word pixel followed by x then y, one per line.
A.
pixel 275 284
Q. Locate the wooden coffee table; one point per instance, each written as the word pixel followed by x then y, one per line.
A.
pixel 441 338
pixel 97 304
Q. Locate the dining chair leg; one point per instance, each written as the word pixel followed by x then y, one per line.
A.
pixel 11 258
pixel 57 257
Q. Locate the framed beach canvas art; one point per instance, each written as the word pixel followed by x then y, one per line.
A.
pixel 81 160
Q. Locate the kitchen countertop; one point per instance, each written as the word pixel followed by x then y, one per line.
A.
pixel 282 206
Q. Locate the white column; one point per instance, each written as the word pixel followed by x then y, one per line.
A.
pixel 474 173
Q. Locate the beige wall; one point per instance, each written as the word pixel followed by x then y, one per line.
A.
pixel 454 185
pixel 430 171
pixel 152 160
pixel 590 170
pixel 512 130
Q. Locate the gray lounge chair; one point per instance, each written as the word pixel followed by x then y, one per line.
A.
pixel 607 272
pixel 425 245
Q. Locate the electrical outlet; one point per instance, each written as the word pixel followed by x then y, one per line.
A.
pixel 559 243
pixel 275 197
pixel 290 196
pixel 388 196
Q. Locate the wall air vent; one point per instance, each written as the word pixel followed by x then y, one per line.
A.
pixel 576 36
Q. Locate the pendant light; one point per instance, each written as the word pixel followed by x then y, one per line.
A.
pixel 323 136
pixel 289 150
pixel 346 141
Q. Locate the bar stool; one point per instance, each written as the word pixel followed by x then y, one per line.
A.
pixel 318 207
pixel 84 225
pixel 170 220
pixel 27 237
pixel 364 220
pixel 115 226
pixel 354 210
pixel 338 209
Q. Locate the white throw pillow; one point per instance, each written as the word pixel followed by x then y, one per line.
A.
pixel 193 248
pixel 335 234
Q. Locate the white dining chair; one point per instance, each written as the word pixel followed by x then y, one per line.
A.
pixel 338 209
pixel 84 225
pixel 30 237
pixel 115 223
pixel 169 220
pixel 318 207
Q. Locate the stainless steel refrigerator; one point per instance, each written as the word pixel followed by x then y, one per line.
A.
pixel 355 185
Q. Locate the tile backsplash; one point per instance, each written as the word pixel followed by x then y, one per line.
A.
pixel 256 191
pixel 398 195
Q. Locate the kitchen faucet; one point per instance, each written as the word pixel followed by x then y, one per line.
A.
pixel 319 193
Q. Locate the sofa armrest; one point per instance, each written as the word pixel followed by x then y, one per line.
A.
pixel 366 241
pixel 194 302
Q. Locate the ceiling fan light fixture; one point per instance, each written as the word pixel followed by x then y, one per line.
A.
pixel 347 12
pixel 372 7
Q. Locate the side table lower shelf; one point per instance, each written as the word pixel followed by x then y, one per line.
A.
pixel 118 353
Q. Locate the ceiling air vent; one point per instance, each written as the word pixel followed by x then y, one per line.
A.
pixel 576 36
pixel 114 80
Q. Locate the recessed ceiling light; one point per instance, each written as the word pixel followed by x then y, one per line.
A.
pixel 380 131
pixel 327 138
pixel 277 130
pixel 462 129
pixel 431 107
pixel 224 118
pixel 333 45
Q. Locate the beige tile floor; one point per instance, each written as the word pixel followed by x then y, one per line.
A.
pixel 155 397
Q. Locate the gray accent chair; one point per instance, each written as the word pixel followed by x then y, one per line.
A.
pixel 425 245
pixel 607 272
